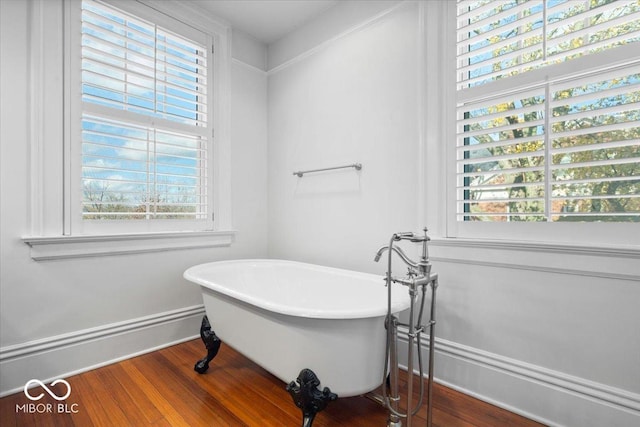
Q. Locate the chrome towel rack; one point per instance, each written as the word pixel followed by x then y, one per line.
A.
pixel 357 167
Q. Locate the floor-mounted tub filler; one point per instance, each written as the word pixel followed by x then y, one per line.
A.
pixel 324 326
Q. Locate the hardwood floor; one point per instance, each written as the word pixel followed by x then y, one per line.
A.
pixel 162 389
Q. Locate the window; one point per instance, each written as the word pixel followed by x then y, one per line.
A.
pixel 548 117
pixel 122 154
pixel 140 124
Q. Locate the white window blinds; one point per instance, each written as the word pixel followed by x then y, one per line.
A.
pixel 548 117
pixel 594 137
pixel 144 119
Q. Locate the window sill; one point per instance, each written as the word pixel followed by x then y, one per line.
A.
pixel 613 262
pixel 626 251
pixel 46 248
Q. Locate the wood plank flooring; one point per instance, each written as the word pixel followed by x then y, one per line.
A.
pixel 161 389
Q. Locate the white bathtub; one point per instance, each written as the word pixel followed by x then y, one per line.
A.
pixel 287 316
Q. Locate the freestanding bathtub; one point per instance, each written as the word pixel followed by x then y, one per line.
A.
pixel 288 316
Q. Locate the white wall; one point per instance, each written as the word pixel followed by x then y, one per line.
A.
pixel 548 331
pixel 62 316
pixel 350 101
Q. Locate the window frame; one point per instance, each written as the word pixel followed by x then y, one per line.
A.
pixel 589 234
pixel 73 113
pixel 50 231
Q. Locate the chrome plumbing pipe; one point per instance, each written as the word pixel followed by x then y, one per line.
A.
pixel 394 399
pixel 432 324
pixel 391 353
pixel 412 332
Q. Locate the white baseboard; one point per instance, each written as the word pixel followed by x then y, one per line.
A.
pixel 550 397
pixel 65 355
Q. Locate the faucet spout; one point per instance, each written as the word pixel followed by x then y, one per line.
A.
pixel 400 253
pixel 380 252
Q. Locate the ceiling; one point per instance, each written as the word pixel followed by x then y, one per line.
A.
pixel 266 20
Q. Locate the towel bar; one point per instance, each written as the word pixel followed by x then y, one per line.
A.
pixel 357 166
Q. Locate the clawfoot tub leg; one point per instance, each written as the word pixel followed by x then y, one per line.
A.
pixel 211 342
pixel 308 397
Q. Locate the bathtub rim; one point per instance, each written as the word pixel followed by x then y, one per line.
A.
pixel 400 299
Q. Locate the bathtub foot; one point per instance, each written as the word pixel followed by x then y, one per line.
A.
pixel 308 397
pixel 211 342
